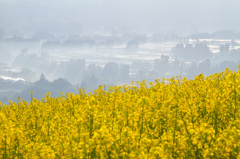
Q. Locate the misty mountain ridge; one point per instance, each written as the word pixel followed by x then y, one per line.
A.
pixel 149 15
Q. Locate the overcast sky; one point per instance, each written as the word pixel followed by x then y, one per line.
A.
pixel 68 16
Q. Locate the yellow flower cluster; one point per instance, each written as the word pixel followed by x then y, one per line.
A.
pixel 171 118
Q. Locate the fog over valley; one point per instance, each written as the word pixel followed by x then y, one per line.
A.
pixel 61 46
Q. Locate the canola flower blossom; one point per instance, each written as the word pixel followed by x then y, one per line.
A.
pixel 171 118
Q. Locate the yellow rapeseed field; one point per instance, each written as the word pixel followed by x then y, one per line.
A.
pixel 170 118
